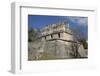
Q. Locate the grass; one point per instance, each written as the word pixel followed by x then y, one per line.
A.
pixel 45 56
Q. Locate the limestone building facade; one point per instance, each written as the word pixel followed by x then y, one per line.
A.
pixel 57 31
pixel 56 41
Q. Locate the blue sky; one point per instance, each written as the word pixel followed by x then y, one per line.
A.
pixel 39 21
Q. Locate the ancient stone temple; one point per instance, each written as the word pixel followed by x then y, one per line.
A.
pixel 59 31
pixel 57 41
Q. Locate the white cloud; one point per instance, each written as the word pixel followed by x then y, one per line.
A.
pixel 79 20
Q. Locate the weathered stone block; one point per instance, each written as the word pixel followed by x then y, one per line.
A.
pixel 48 37
pixel 55 36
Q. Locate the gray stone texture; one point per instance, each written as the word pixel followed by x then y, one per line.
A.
pixel 54 48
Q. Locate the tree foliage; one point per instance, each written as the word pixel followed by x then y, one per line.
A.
pixel 84 42
pixel 80 36
pixel 32 34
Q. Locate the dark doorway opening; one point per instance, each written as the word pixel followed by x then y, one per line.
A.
pixel 59 35
pixel 51 36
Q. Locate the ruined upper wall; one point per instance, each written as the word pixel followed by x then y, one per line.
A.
pixel 54 28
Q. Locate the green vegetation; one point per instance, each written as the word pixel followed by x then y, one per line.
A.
pixel 32 34
pixel 85 44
